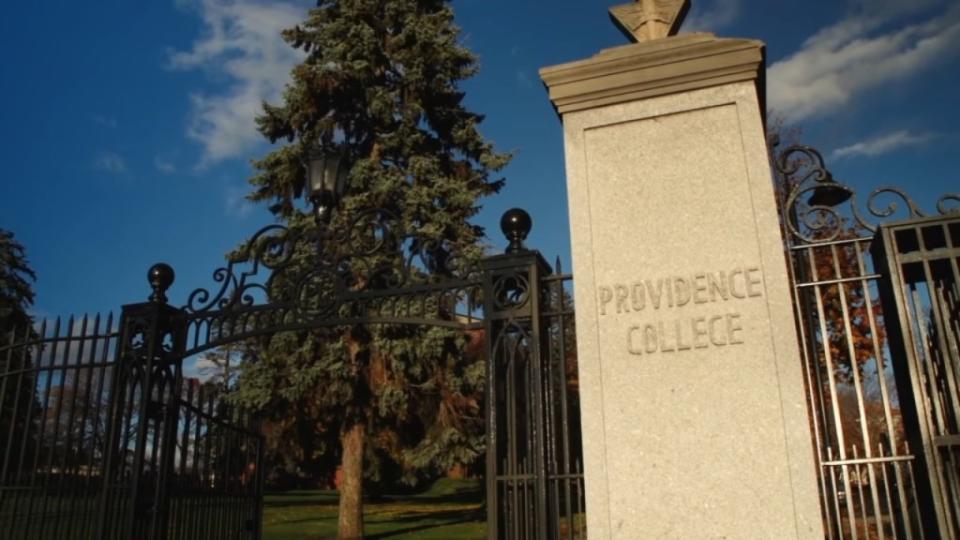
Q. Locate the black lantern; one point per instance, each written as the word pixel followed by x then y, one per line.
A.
pixel 829 193
pixel 326 173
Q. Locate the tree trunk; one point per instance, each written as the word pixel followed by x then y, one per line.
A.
pixel 350 519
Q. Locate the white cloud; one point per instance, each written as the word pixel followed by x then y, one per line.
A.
pixel 205 368
pixel 882 144
pixel 204 363
pixel 164 165
pixel 236 203
pixel 201 368
pixel 859 54
pixel 242 42
pixel 110 162
pixel 712 17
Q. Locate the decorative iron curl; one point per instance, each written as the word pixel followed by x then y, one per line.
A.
pixel 511 291
pixel 374 253
pixel 370 254
pixel 943 202
pixel 890 209
pixel 802 167
pixel 271 247
pixel 372 232
pixel 789 164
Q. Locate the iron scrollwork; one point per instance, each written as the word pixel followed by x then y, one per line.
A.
pixel 511 291
pixel 370 255
pixel 311 273
pixel 805 174
pixel 271 247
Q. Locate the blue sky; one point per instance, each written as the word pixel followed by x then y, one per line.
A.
pixel 128 126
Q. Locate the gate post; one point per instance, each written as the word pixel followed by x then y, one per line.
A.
pixel 516 490
pixel 143 411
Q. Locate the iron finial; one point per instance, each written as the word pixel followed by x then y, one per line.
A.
pixel 516 225
pixel 160 276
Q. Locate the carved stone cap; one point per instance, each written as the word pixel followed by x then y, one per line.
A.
pixel 645 20
pixel 654 68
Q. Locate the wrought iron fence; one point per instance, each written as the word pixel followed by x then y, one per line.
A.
pixel 54 388
pixel 565 494
pixel 216 482
pixel 869 481
pixel 72 424
pixel 102 436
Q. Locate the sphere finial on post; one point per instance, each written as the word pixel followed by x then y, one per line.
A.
pixel 516 225
pixel 160 276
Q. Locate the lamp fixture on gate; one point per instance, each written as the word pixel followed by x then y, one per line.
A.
pixel 326 174
pixel 829 193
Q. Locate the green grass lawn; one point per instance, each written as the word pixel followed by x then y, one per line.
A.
pixel 449 510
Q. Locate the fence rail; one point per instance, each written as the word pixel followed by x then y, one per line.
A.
pixel 65 399
pixel 53 419
pixel 215 487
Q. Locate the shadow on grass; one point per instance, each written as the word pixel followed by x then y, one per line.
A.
pixel 300 502
pixel 462 495
pixel 284 499
pixel 302 493
pixel 444 519
pixel 448 509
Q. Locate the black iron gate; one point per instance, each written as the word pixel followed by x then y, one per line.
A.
pixel 104 437
pixel 871 357
pixel 921 258
pixel 54 388
pixel 76 426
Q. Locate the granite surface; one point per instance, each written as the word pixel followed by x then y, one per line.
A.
pixel 693 410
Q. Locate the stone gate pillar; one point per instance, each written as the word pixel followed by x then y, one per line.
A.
pixel 693 408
